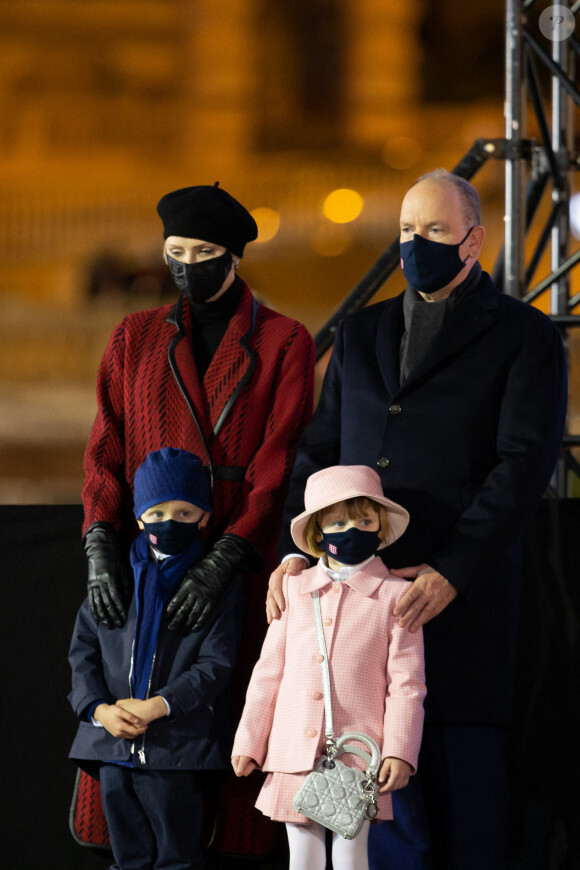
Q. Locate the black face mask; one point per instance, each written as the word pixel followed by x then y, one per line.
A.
pixel 429 266
pixel 171 537
pixel 200 281
pixel 351 546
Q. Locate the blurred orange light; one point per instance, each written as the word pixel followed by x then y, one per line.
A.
pixel 343 205
pixel 268 222
pixel 401 152
pixel 331 240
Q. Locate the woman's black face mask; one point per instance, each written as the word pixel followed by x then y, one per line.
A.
pixel 200 281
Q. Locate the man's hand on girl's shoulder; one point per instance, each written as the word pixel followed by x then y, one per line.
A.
pixel 430 593
pixel 275 603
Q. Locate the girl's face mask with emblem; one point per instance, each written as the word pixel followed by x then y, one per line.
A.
pixel 347 540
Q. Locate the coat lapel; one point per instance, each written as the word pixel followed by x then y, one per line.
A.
pixel 208 400
pixel 391 326
pixel 184 368
pixel 230 363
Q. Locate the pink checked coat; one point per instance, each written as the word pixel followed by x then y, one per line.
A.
pixel 377 673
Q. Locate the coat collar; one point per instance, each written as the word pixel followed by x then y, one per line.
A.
pixel 213 397
pixel 366 581
pixel 472 317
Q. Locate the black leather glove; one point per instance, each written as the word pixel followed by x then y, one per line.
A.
pixel 205 582
pixel 107 586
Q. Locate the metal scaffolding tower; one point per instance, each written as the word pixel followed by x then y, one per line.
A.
pixel 539 166
pixel 532 169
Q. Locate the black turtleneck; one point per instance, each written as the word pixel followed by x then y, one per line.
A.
pixel 210 321
pixel 423 319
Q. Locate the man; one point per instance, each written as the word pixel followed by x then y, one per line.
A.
pixel 456 394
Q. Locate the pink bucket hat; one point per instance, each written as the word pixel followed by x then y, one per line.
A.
pixel 338 483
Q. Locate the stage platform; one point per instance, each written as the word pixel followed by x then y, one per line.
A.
pixel 43 584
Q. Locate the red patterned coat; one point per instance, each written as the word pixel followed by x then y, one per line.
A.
pixel 244 418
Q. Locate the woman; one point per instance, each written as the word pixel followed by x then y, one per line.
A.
pixel 218 374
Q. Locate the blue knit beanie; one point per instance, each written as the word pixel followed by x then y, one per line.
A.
pixel 170 474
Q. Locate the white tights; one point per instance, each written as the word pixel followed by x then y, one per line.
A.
pixel 308 849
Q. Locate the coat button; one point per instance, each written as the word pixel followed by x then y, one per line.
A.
pixel 384 462
pixel 319 657
pixel 327 621
pixel 316 696
pixel 395 409
pixel 311 732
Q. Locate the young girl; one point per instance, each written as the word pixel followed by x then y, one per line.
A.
pixel 376 667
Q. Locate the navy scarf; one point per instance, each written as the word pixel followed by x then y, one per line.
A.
pixel 154 584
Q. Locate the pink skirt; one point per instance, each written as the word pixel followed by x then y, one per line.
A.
pixel 277 793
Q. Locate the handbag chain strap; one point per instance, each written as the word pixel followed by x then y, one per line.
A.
pixel 328 725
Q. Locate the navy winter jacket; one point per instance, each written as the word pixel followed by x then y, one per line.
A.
pixel 467 444
pixel 190 672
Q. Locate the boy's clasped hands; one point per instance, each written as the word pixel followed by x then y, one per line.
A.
pixel 129 717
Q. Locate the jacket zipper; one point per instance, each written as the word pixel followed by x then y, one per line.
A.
pixel 140 752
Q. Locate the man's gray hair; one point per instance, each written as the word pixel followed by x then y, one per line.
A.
pixel 470 203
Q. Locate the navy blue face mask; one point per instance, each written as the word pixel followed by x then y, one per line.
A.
pixel 172 537
pixel 351 546
pixel 200 281
pixel 429 266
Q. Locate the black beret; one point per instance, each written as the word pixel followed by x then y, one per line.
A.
pixel 207 212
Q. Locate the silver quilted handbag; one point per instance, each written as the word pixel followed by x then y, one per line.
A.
pixel 334 795
pixel 339 797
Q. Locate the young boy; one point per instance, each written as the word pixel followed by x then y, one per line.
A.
pixel 151 702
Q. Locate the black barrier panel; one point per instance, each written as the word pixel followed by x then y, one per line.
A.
pixel 43 584
pixel 545 745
